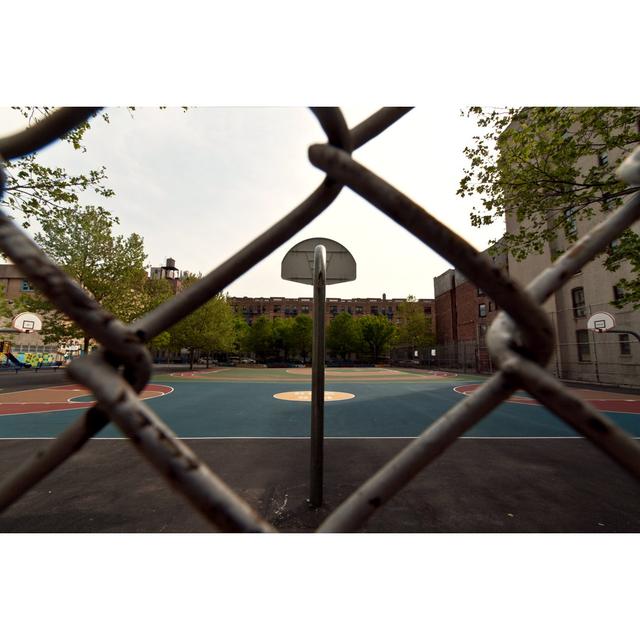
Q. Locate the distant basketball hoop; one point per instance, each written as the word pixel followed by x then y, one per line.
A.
pixel 27 322
pixel 601 322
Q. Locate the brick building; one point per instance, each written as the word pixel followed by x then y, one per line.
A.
pixel 463 313
pixel 251 308
pixel 14 285
pixel 13 282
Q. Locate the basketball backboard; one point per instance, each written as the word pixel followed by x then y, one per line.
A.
pixel 297 265
pixel 601 322
pixel 27 322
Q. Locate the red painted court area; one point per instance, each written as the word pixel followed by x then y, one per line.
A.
pixel 61 398
pixel 602 400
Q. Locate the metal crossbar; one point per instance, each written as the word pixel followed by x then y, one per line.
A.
pixel 520 339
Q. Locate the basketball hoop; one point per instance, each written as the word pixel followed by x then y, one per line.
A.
pixel 27 322
pixel 601 322
pixel 318 262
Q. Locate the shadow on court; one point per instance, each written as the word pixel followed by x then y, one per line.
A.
pixel 475 486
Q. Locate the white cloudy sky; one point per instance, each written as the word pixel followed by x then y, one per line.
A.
pixel 198 185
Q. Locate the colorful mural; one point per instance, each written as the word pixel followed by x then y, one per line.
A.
pixel 34 359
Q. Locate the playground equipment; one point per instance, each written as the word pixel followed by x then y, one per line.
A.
pixel 5 348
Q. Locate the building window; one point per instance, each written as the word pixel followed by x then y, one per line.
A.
pixel 618 293
pixel 26 286
pixel 305 308
pixel 577 297
pixel 374 310
pixel 482 310
pixel 427 311
pixel 584 351
pixel 333 310
pixel 276 308
pixel 358 309
pixel 482 334
pixel 570 224
pixel 603 158
pixel 480 291
pixel 625 345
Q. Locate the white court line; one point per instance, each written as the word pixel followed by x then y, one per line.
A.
pixel 71 400
pixel 80 406
pixel 327 438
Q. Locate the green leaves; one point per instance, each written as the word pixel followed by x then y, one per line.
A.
pixel 377 333
pixel 344 335
pixel 535 163
pixel 109 267
pixel 626 250
pixel 210 328
pixel 414 329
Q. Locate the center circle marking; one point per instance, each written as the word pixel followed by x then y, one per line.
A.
pixel 305 396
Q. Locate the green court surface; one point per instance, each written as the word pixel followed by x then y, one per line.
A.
pixel 240 403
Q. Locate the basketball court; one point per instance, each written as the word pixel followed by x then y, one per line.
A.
pixel 275 403
pixel 520 469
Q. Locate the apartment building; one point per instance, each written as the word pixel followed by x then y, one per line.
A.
pixel 275 307
pixel 463 313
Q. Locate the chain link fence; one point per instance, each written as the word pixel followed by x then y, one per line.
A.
pixel 520 340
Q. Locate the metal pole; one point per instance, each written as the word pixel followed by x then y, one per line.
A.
pixel 595 359
pixel 317 376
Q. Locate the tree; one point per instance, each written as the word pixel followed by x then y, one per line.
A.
pixel 210 328
pixel 343 335
pixel 7 310
pixel 414 330
pixel 284 335
pixel 240 333
pixel 109 267
pixel 260 339
pixel 36 192
pixel 628 250
pixel 549 167
pixel 302 335
pixel 377 333
pixel 155 293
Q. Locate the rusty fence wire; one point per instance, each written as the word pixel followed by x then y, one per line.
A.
pixel 520 340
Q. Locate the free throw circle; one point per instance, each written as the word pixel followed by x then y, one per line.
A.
pixel 305 396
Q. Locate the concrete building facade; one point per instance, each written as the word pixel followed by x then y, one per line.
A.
pixel 582 355
pixel 463 313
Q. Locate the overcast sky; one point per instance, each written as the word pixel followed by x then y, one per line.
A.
pixel 198 185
